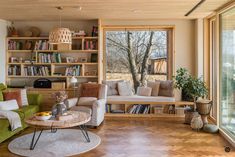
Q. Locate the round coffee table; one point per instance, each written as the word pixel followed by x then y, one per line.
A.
pixel 79 119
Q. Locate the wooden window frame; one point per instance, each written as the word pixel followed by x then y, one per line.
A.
pixel 170 44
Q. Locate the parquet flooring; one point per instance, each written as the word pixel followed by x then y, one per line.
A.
pixel 149 138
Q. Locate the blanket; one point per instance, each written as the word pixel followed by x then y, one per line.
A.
pixel 13 118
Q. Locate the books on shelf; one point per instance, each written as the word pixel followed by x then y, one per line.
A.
pixel 90 45
pixel 14 70
pixel 139 109
pixel 42 45
pixel 36 71
pixel 49 58
pixel 73 70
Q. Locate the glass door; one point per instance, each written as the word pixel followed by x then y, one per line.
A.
pixel 213 71
pixel 227 72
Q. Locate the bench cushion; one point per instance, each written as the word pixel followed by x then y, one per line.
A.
pixel 137 98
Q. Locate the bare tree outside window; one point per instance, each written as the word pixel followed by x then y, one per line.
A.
pixel 136 56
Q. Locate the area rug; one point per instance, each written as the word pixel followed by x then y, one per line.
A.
pixel 65 142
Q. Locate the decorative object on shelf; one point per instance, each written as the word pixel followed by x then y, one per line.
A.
pixel 94 31
pixel 204 108
pixel 32 32
pixel 82 59
pixel 12 32
pixel 94 58
pixel 196 123
pixel 80 33
pixel 35 31
pixel 74 80
pixel 192 87
pixel 60 35
pixel 59 108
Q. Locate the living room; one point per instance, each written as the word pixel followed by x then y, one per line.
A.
pixel 117 78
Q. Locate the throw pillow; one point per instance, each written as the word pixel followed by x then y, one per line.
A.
pixel 24 99
pixel 166 88
pixel 155 87
pixel 90 90
pixel 86 101
pixel 144 91
pixel 11 95
pixel 112 87
pixel 9 105
pixel 124 88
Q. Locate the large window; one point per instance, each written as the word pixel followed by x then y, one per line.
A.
pixel 138 55
pixel 227 72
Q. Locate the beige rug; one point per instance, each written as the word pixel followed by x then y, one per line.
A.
pixel 65 142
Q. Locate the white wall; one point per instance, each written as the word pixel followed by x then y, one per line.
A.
pixel 47 26
pixel 184 38
pixel 3 35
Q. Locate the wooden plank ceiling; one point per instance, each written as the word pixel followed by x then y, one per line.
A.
pixel 105 9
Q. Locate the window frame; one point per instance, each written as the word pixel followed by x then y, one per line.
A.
pixel 170 44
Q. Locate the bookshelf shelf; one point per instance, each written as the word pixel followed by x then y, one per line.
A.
pixel 38 60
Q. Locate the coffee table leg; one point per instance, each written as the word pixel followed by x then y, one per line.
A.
pixel 84 132
pixel 33 144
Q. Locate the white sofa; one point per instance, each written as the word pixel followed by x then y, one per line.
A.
pixel 165 88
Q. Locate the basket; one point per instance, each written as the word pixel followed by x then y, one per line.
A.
pixel 189 116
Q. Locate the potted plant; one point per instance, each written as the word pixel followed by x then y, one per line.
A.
pixel 192 88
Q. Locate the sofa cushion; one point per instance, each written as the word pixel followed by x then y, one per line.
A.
pixel 8 105
pixel 155 87
pixel 139 99
pixel 144 91
pixel 86 101
pixel 90 90
pixel 124 88
pixel 112 87
pixel 166 88
pixel 1 96
pixel 11 95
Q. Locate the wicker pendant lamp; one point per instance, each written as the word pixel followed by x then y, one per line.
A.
pixel 60 35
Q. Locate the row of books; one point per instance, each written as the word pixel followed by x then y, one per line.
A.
pixel 90 45
pixel 73 71
pixel 29 45
pixel 14 70
pixel 36 71
pixel 42 45
pixel 49 58
pixel 139 109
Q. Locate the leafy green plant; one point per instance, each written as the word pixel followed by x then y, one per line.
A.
pixel 192 87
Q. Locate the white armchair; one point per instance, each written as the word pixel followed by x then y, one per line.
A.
pixel 93 105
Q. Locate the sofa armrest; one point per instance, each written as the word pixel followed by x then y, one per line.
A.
pixel 100 102
pixel 71 102
pixel 34 99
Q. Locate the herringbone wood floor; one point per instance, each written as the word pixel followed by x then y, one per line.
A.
pixel 149 138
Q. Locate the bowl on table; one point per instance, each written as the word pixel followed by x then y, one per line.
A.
pixel 43 115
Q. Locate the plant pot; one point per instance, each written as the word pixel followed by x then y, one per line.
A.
pixel 204 108
pixel 186 96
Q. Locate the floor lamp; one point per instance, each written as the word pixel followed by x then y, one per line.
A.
pixel 74 80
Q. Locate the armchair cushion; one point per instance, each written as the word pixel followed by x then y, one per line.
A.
pixel 90 90
pixel 86 101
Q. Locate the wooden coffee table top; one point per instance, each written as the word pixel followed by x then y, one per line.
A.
pixel 79 118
